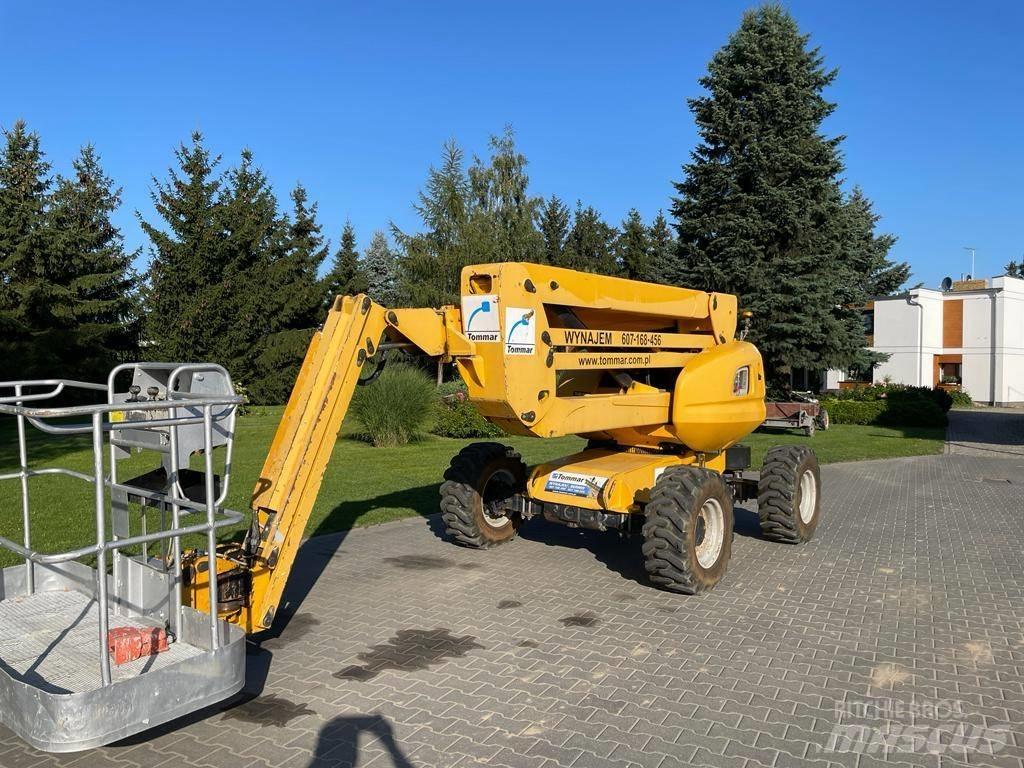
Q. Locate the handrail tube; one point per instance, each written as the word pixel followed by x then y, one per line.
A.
pixel 175 539
pixel 230 518
pixel 117 426
pixel 101 555
pixel 26 523
pixel 141 405
pixel 192 506
pixel 211 535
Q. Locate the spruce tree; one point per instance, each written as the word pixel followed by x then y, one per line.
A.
pixel 346 276
pixel 633 247
pixel 662 252
pixel 381 268
pixel 553 220
pixel 25 291
pixel 1015 269
pixel 760 212
pixel 186 258
pixel 95 311
pixel 294 274
pixel 866 254
pixel 432 260
pixel 250 301
pixel 590 244
pixel 294 300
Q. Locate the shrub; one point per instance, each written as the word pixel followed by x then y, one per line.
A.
pixel 894 405
pixel 915 407
pixel 961 400
pixel 396 408
pixel 854 411
pixel 457 417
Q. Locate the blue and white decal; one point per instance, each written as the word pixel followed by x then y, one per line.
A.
pixel 520 331
pixel 480 317
pixel 575 484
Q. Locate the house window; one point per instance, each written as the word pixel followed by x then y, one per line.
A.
pixel 950 373
pixel 860 375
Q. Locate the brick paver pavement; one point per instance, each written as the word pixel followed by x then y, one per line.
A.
pixel 903 619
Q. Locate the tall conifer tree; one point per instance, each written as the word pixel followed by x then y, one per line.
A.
pixel 432 260
pixel 381 268
pixel 663 258
pixel 25 292
pixel 186 257
pixel 95 306
pixel 590 244
pixel 553 221
pixel 346 276
pixel 760 212
pixel 633 247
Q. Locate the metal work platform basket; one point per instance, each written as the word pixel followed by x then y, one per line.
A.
pixel 60 689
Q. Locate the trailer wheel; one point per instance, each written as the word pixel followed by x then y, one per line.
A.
pixel 479 481
pixel 688 530
pixel 822 420
pixel 789 494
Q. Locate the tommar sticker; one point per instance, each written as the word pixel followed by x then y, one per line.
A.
pixel 520 331
pixel 480 318
pixel 575 484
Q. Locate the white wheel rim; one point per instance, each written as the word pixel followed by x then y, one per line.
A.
pixel 491 520
pixel 808 496
pixel 710 521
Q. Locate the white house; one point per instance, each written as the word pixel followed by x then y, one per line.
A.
pixel 971 334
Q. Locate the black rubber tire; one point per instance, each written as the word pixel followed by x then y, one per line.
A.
pixel 467 483
pixel 670 530
pixel 779 494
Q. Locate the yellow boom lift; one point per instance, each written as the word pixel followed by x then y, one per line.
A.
pixel 654 377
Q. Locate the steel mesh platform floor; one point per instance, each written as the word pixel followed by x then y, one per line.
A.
pixel 51 640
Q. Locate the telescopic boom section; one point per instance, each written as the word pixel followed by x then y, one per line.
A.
pixel 290 481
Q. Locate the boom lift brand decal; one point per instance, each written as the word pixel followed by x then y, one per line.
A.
pixel 480 318
pixel 575 484
pixel 520 331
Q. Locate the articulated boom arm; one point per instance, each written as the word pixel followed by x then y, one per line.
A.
pixel 290 481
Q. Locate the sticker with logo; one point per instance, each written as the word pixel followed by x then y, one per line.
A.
pixel 575 484
pixel 520 331
pixel 480 317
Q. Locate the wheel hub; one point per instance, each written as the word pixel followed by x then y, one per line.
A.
pixel 709 533
pixel 499 488
pixel 808 496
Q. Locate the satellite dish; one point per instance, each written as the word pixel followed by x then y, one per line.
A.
pixel 970 277
pixel 947 283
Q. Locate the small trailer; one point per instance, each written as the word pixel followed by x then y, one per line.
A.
pixel 802 411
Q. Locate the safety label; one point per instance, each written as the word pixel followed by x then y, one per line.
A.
pixel 480 317
pixel 520 331
pixel 575 484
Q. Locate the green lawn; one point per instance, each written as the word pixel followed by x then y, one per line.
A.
pixel 363 485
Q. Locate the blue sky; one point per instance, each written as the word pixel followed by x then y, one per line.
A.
pixel 355 100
